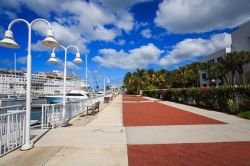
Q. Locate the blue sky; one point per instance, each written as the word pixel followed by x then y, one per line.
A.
pixel 120 36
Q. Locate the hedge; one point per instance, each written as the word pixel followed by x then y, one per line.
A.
pixel 230 100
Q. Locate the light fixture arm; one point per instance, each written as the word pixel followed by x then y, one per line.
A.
pixel 28 24
pixel 61 46
pixel 72 46
pixel 41 20
pixel 17 20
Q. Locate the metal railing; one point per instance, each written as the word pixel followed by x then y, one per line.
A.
pixel 52 114
pixel 11 130
pixel 4 110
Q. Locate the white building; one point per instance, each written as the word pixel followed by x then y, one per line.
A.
pixel 212 58
pixel 42 83
pixel 240 42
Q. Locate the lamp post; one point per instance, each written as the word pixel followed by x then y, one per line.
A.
pixel 104 86
pixel 9 42
pixel 54 60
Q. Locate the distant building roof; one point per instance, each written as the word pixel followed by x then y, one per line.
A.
pixel 215 55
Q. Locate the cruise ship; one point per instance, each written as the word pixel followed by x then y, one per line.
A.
pixel 42 83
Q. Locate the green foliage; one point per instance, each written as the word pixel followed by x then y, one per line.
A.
pixel 149 79
pixel 230 100
pixel 245 115
pixel 150 87
pixel 188 76
pixel 226 68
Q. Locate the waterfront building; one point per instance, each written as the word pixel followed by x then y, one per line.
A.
pixel 240 42
pixel 215 57
pixel 43 83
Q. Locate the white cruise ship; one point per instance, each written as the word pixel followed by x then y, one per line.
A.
pixel 43 83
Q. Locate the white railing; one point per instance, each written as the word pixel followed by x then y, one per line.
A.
pixel 73 109
pixel 4 110
pixel 52 113
pixel 11 130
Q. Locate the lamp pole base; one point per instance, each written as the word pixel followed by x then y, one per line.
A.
pixel 27 146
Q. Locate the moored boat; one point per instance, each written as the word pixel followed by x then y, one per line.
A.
pixel 71 96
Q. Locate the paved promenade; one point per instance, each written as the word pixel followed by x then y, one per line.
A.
pixel 99 141
pixel 168 133
pixel 155 133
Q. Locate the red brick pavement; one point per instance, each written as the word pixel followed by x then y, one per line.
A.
pixel 193 154
pixel 188 154
pixel 156 114
pixel 133 98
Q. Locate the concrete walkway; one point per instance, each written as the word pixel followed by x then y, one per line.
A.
pixel 100 142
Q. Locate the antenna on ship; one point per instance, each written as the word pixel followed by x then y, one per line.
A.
pixel 91 80
pixel 15 73
pixel 86 70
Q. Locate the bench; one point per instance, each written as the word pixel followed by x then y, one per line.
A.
pixel 106 99
pixel 94 107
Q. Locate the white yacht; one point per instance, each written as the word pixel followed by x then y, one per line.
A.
pixel 12 98
pixel 100 92
pixel 71 96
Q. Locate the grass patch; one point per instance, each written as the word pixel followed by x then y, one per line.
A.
pixel 245 114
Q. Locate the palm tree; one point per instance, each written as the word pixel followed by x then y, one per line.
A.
pixel 141 79
pixel 188 76
pixel 150 75
pixel 235 62
pixel 241 59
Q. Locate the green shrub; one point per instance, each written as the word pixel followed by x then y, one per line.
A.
pixel 230 100
pixel 245 115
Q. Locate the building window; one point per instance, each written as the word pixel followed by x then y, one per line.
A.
pixel 219 59
pixel 211 61
pixel 204 76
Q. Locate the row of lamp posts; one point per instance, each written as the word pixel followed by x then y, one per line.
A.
pixel 50 42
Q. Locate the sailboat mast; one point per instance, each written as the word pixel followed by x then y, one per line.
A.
pixel 15 72
pixel 86 70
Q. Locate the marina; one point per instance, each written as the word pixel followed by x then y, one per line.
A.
pixel 43 83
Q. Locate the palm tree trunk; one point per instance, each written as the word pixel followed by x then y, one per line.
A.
pixel 240 72
pixel 233 78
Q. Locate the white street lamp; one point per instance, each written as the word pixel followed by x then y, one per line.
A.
pixel 9 42
pixel 54 60
pixel 104 86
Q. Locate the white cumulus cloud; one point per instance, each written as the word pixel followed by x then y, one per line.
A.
pixel 135 58
pixel 146 33
pixel 188 16
pixel 80 22
pixel 190 49
pixel 120 42
pixel 39 47
pixel 22 60
pixel 72 66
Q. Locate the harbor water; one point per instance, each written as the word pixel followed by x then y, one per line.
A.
pixel 35 112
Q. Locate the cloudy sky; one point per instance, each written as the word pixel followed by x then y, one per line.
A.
pixel 120 36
